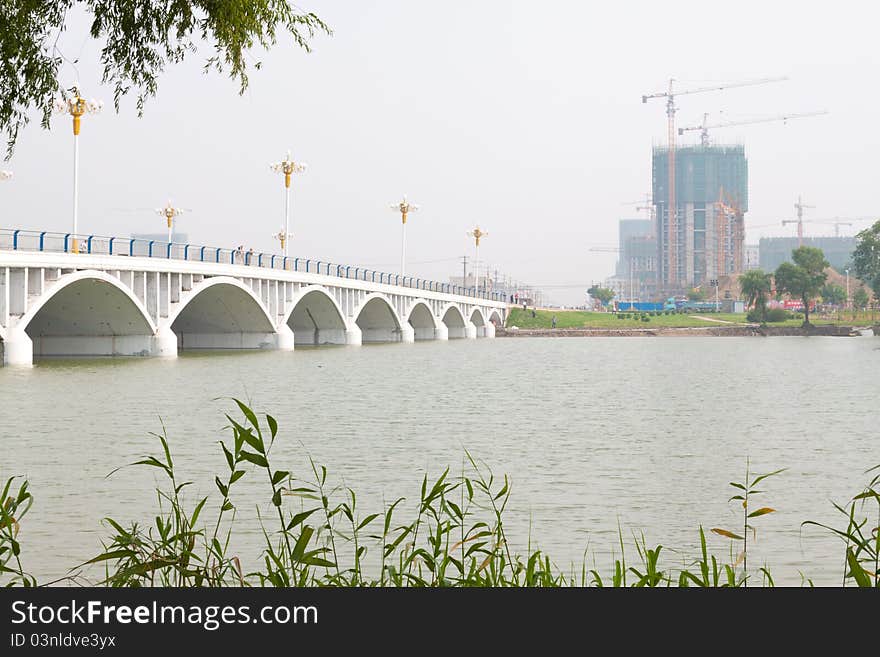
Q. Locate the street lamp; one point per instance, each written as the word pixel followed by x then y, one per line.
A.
pixel 76 106
pixel 476 233
pixel 714 283
pixel 404 208
pixel 282 237
pixel 170 213
pixel 847 288
pixel 288 167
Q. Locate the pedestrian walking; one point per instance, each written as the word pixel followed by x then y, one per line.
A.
pixel 553 321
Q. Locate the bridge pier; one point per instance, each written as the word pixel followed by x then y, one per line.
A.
pixel 353 336
pixel 470 331
pixel 18 349
pixel 407 333
pixel 284 338
pixel 441 332
pixel 165 343
pixel 489 330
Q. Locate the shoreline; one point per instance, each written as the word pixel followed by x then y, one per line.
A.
pixel 740 330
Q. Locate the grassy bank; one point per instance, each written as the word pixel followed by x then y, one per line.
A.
pixel 452 533
pixel 608 320
pixel 584 319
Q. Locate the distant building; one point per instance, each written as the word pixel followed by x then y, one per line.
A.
pixel 751 257
pixel 636 272
pixel 776 250
pixel 705 240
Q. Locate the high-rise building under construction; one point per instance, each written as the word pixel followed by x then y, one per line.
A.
pixel 703 238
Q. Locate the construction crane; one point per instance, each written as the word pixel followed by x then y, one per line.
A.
pixel 800 207
pixel 671 222
pixel 837 222
pixel 837 225
pixel 705 127
pixel 646 206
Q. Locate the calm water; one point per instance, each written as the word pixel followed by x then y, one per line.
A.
pixel 646 432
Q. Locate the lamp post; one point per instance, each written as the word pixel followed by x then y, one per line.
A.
pixel 288 167
pixel 76 106
pixel 477 234
pixel 170 213
pixel 714 283
pixel 404 208
pixel 282 237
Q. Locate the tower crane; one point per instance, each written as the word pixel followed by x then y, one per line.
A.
pixel 671 222
pixel 800 207
pixel 646 206
pixel 705 126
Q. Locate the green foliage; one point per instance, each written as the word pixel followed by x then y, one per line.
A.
pixel 743 492
pixel 803 279
pixel 138 41
pixel 697 294
pixel 14 505
pixel 833 294
pixel 861 298
pixel 315 534
pixel 861 535
pixel 866 257
pixel 602 294
pixel 755 285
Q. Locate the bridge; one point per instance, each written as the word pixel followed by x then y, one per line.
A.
pixel 128 297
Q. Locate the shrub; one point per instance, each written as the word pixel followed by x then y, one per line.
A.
pixel 778 315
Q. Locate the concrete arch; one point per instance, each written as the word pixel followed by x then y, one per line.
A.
pixel 222 313
pixel 454 320
pixel 88 313
pixel 482 328
pixel 495 319
pixel 315 317
pixel 422 320
pixel 377 319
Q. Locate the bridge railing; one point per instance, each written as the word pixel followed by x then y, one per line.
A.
pixel 29 240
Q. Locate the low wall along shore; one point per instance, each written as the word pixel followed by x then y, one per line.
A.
pixel 701 331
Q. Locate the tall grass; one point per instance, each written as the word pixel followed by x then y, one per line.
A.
pixel 452 534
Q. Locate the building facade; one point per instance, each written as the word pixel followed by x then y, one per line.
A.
pixel 636 271
pixel 699 236
pixel 776 250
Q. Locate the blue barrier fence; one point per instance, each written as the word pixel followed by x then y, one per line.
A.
pixel 28 240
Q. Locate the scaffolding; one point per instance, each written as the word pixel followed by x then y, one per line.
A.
pixel 702 236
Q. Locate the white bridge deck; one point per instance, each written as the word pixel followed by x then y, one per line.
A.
pixel 56 303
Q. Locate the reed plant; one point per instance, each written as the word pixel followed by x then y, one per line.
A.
pixel 314 533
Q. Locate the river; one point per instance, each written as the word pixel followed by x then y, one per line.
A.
pixel 642 432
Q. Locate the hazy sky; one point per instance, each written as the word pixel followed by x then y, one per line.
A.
pixel 523 117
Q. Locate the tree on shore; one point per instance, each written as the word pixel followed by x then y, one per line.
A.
pixel 861 298
pixel 602 294
pixel 138 40
pixel 833 294
pixel 755 285
pixel 866 257
pixel 803 279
